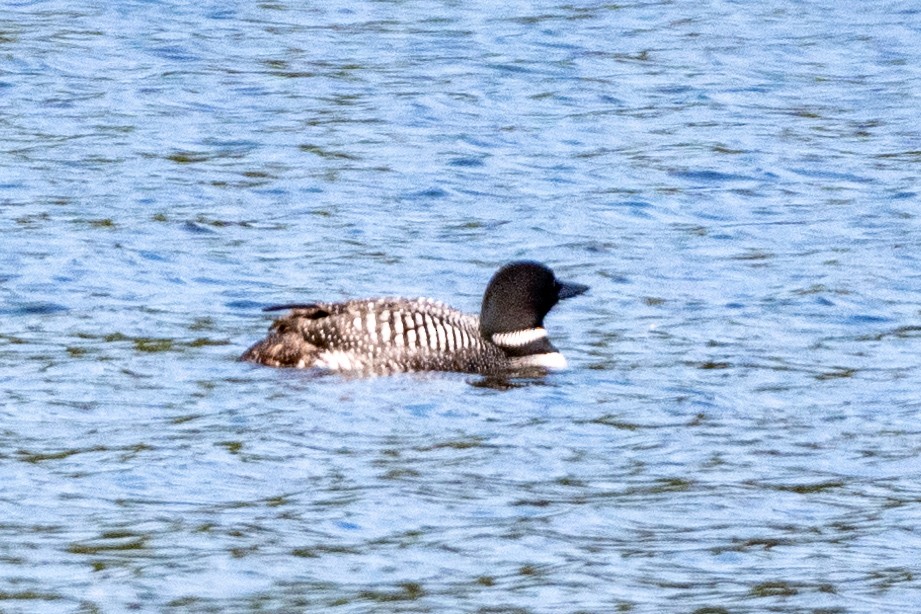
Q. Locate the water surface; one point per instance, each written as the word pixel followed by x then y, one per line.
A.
pixel 738 183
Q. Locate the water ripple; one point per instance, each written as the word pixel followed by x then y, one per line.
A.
pixel 737 432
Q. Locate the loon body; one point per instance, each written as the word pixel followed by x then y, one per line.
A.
pixel 392 335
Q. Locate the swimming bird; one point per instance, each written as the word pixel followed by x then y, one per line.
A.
pixel 392 335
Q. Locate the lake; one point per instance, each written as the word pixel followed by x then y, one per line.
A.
pixel 737 182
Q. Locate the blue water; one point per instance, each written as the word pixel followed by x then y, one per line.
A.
pixel 738 182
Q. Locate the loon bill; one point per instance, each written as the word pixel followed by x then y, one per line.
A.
pixel 393 335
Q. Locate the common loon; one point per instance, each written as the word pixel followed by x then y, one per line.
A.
pixel 392 335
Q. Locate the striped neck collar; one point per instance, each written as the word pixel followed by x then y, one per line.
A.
pixel 519 338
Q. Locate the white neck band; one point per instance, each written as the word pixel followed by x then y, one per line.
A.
pixel 519 338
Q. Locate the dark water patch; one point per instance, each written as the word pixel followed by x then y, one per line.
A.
pixel 774 589
pixel 473 224
pixel 912 154
pixel 153 256
pixel 110 544
pixel 831 175
pixel 617 423
pixel 175 53
pixel 635 205
pixel 203 323
pixel 504 383
pixel 406 591
pixel 246 305
pixel 707 176
pixel 189 603
pixel 911 331
pixel 231 148
pixel 321 550
pixel 206 342
pixel 101 223
pixel 758 543
pixel 248 183
pixel 754 255
pixel 836 373
pixel 726 150
pixel 891 577
pixel 327 153
pixel 33 219
pixel 711 365
pixel 401 474
pixel 29 595
pixel 204 223
pixel 189 157
pixel 218 223
pixel 519 68
pixel 466 162
pixel 147 344
pixel 233 447
pixel 196 228
pixel 30 309
pixel 122 453
pixel 40 457
pixel 820 289
pixel 151 344
pixel 459 444
pixel 864 318
pixel 666 485
pixel 423 195
pixel 806 489
pixel 277 70
pixel 251 174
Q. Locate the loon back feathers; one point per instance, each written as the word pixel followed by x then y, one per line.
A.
pixel 377 336
pixel 390 335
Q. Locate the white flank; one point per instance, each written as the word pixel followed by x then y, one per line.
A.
pixel 423 338
pixel 372 324
pixel 335 361
pixel 442 339
pixel 411 338
pixel 519 338
pixel 551 360
pixel 432 333
pixel 385 332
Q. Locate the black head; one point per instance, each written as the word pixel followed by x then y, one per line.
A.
pixel 519 295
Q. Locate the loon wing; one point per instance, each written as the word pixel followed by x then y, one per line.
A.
pixel 376 335
pixel 309 310
pixel 286 345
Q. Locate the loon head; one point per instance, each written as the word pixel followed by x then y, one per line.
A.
pixel 518 297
